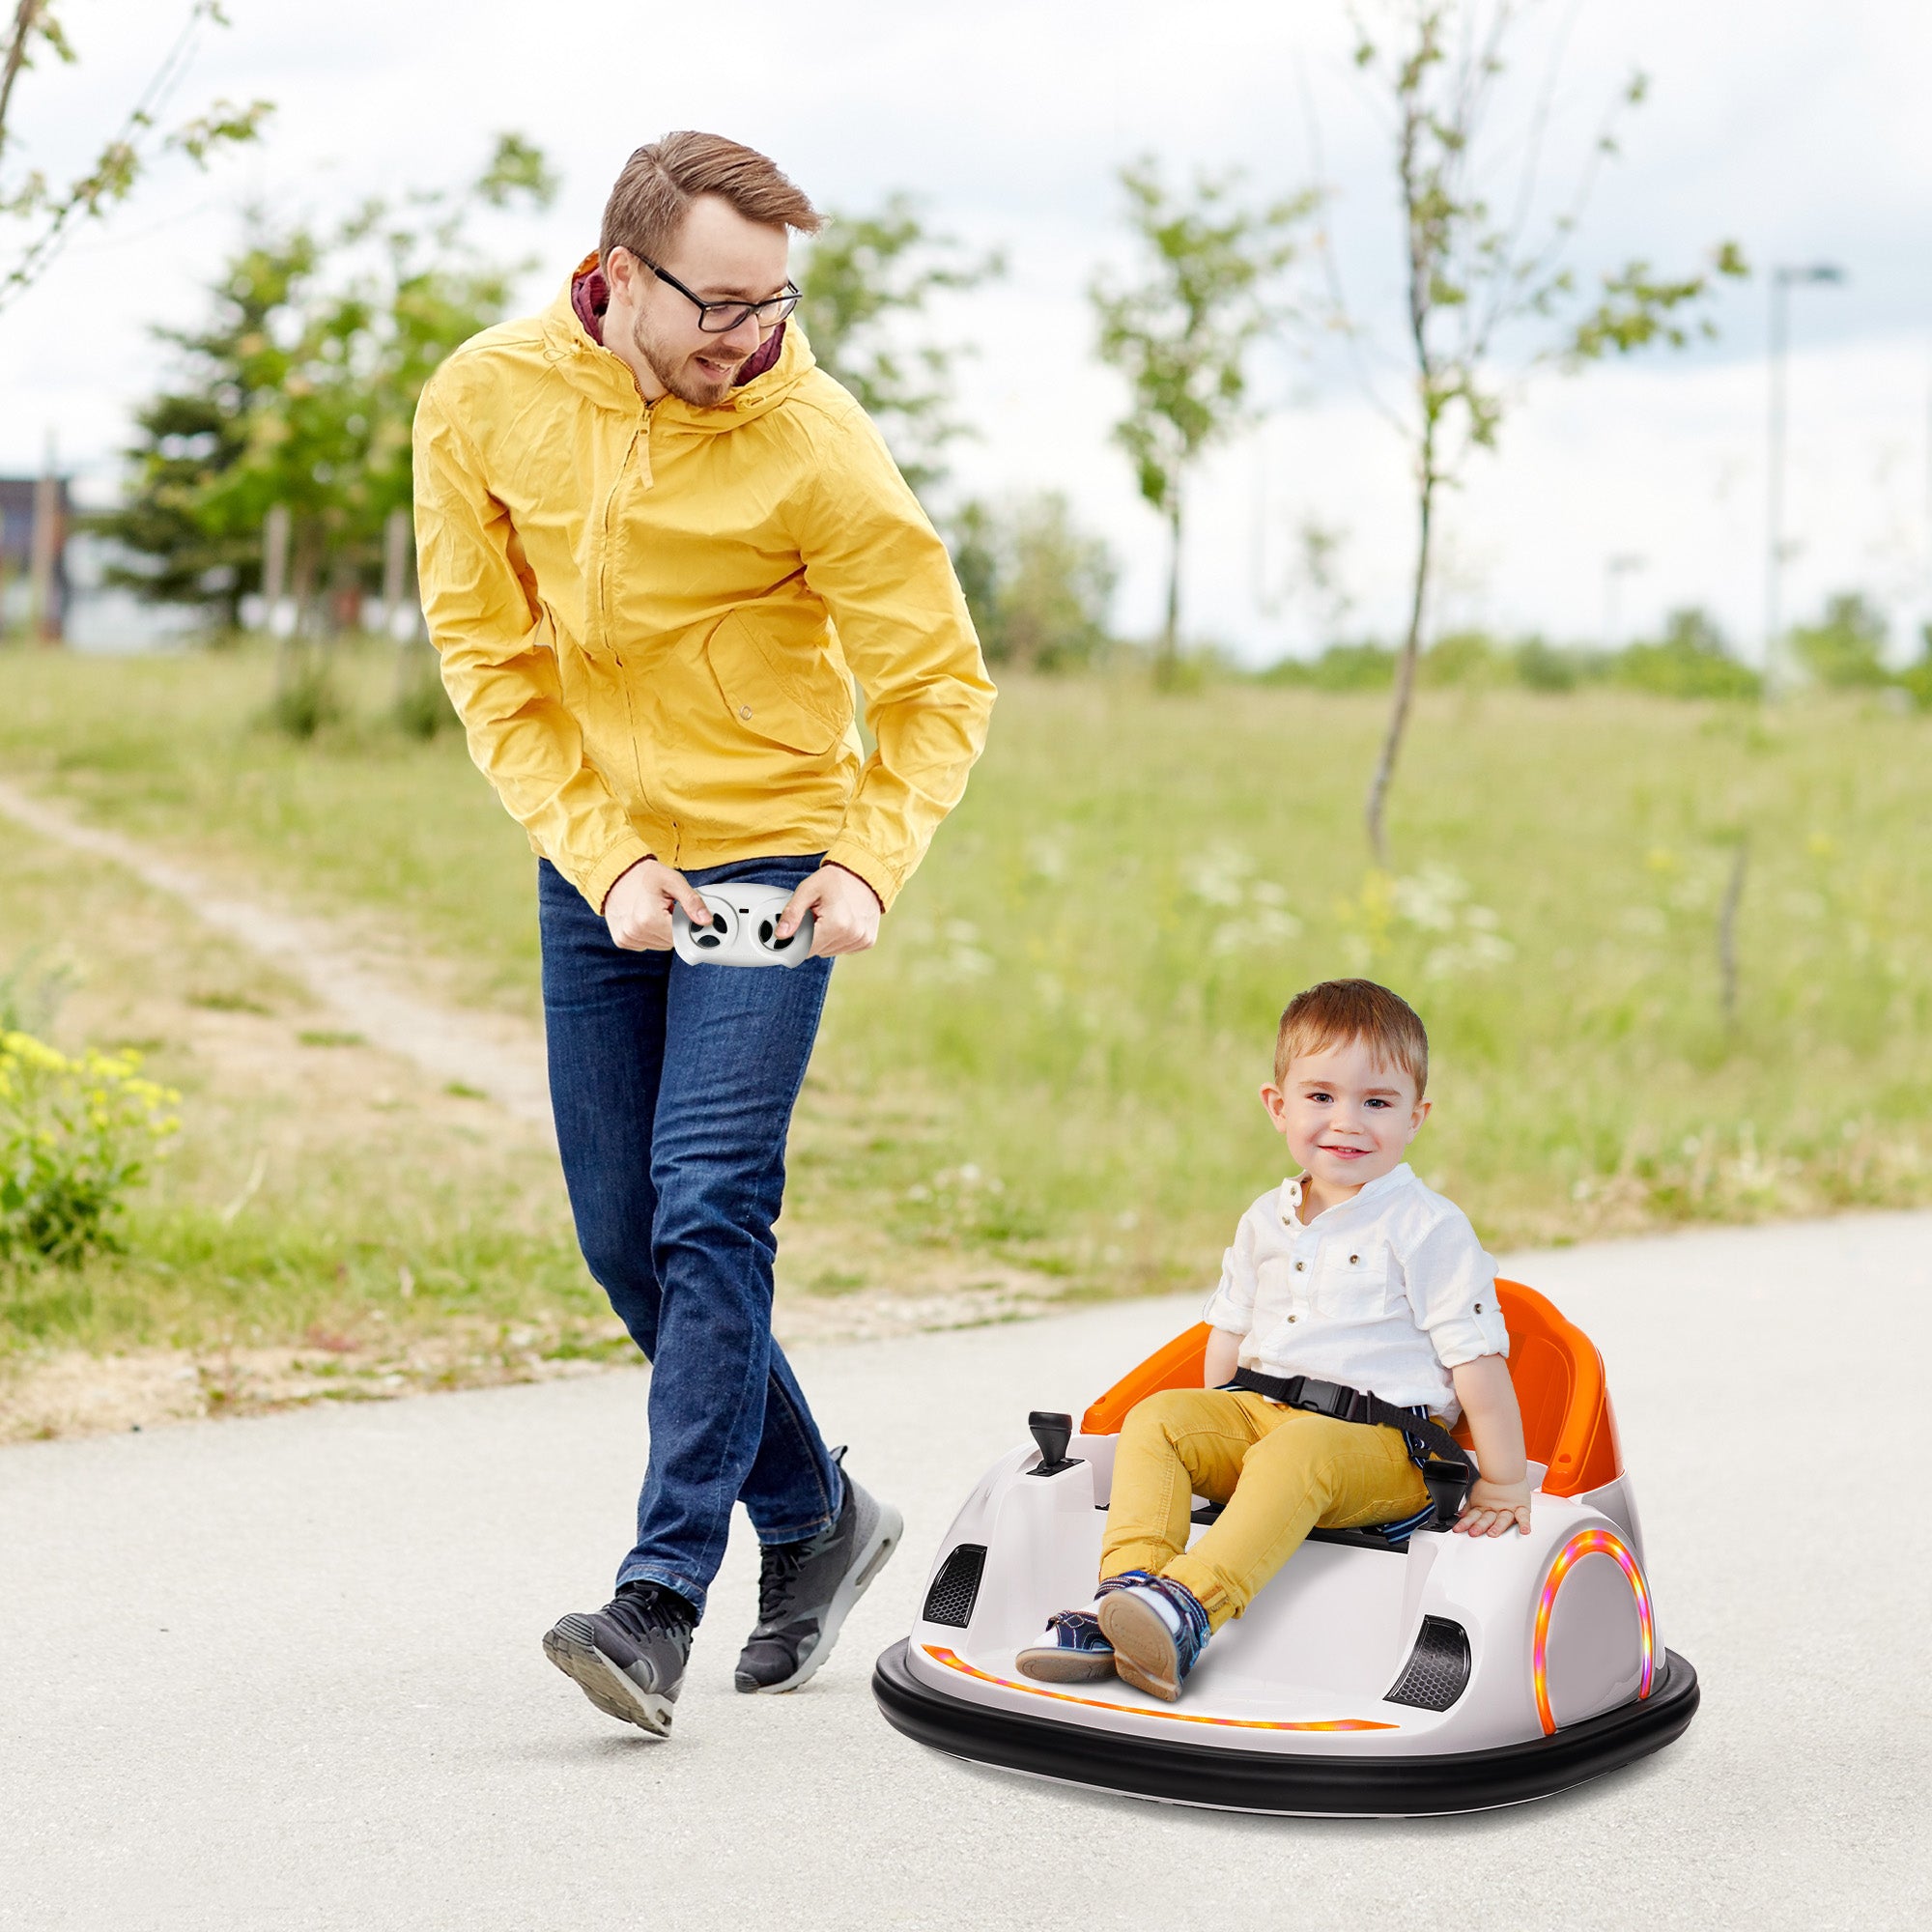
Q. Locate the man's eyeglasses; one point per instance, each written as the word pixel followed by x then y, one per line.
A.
pixel 721 318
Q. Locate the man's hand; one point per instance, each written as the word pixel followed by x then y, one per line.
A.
pixel 1493 1508
pixel 638 908
pixel 845 912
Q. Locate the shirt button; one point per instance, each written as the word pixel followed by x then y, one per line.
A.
pixel 1294 1318
pixel 1300 1267
pixel 1354 1260
pixel 744 711
pixel 1479 1308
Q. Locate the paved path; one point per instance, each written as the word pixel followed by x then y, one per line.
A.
pixel 490 1052
pixel 284 1673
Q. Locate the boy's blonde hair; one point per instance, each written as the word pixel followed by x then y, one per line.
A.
pixel 1339 1012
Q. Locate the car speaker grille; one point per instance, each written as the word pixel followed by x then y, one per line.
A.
pixel 950 1600
pixel 1438 1669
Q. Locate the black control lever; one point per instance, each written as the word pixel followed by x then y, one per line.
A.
pixel 1448 1485
pixel 1052 1433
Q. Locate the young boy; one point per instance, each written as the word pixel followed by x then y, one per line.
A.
pixel 1353 1272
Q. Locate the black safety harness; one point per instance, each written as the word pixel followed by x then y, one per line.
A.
pixel 1447 1472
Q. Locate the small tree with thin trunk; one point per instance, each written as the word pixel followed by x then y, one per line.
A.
pixel 1488 292
pixel 51 211
pixel 1181 336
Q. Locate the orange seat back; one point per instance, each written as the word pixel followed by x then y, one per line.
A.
pixel 1568 1424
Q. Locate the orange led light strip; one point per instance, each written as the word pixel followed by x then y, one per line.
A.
pixel 954 1662
pixel 1589 1543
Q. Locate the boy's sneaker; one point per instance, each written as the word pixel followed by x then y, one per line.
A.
pixel 1076 1651
pixel 628 1657
pixel 1159 1632
pixel 806 1588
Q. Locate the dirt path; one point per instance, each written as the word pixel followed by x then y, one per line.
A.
pixel 494 1065
pixel 493 1054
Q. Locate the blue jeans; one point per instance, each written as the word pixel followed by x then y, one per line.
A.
pixel 672 1087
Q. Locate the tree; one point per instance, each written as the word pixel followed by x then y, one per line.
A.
pixel 51 212
pixel 866 275
pixel 301 389
pixel 1039 587
pixel 1476 280
pixel 1181 335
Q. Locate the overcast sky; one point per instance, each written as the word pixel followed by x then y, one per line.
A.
pixel 1801 130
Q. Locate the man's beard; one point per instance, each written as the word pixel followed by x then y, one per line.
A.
pixel 677 376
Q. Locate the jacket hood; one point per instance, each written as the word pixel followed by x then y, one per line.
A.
pixel 569 342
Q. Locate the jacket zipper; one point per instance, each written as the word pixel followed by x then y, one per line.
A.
pixel 606 520
pixel 644 797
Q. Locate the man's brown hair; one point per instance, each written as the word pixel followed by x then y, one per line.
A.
pixel 1340 1011
pixel 662 180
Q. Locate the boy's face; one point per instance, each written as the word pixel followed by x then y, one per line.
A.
pixel 1347 1118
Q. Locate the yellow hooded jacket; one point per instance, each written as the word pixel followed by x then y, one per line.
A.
pixel 649 616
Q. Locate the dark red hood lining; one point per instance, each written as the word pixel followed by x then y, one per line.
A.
pixel 590 298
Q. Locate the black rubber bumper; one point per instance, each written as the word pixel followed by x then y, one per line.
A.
pixel 1343 1785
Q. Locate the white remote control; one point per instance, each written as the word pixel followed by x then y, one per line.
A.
pixel 743 929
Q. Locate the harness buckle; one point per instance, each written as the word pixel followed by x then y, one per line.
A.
pixel 1335 1399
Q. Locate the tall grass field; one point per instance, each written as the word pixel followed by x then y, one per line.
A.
pixel 1050 1063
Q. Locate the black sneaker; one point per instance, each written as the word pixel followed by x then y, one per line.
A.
pixel 804 1590
pixel 628 1657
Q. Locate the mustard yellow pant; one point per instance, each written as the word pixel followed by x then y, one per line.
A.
pixel 1281 1472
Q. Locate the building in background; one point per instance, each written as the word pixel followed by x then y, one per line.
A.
pixel 36 516
pixel 53 571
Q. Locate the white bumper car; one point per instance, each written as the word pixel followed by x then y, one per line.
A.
pixel 1371 1678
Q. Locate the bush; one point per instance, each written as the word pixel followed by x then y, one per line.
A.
pixel 1465 657
pixel 74 1139
pixel 305 697
pixel 1846 647
pixel 1916 679
pixel 1541 666
pixel 1039 589
pixel 1691 660
pixel 1363 666
pixel 422 706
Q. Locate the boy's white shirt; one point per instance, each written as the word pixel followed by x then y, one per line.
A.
pixel 1386 1292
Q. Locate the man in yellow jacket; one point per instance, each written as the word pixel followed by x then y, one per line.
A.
pixel 657 543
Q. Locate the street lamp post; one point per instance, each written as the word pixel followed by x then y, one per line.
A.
pixel 1782 280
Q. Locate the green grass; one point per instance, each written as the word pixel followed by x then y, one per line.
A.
pixel 362 815
pixel 1052 1058
pixel 298 1198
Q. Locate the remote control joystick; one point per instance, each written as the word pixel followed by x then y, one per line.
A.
pixel 713 938
pixel 1052 1433
pixel 744 928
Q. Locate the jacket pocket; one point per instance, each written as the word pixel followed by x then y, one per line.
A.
pixel 803 707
